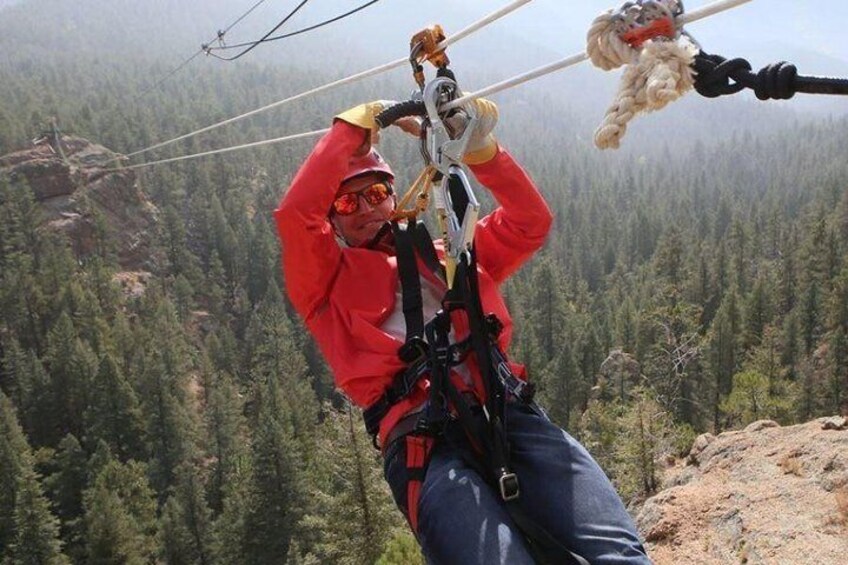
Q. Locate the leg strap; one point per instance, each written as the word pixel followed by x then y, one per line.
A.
pixel 418 449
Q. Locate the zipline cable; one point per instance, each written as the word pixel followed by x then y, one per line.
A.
pixel 465 32
pixel 687 18
pixel 225 150
pixel 298 32
pixel 238 21
pixel 203 48
pixel 695 15
pixel 257 43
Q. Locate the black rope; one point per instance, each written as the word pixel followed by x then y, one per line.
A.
pixel 717 76
pixel 300 31
pixel 204 48
pixel 254 44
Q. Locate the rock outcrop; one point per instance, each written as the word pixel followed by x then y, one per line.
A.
pixel 75 183
pixel 766 494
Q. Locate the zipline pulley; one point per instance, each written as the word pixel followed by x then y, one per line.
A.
pixel 637 22
pixel 424 46
pixel 457 207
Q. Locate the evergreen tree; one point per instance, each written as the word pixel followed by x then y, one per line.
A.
pixel 72 366
pixel 29 533
pixel 113 414
pixel 36 540
pixel 226 431
pixel 120 515
pixel 186 522
pixel 353 510
pixel 277 485
pixel 65 487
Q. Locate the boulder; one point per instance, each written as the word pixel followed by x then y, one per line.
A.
pixel 766 494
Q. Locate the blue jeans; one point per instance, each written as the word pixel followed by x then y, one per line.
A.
pixel 462 520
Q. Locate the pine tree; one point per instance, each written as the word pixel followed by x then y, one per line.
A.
pixel 402 549
pixel 353 512
pixel 29 533
pixel 113 414
pixel 65 487
pixel 646 436
pixel 277 485
pixel 120 515
pixel 187 536
pixel 170 424
pixel 226 429
pixel 14 452
pixel 72 366
pixel 36 540
pixel 724 353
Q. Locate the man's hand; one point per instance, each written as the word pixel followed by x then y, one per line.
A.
pixel 364 116
pixel 482 146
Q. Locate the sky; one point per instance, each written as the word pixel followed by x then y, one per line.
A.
pixel 560 25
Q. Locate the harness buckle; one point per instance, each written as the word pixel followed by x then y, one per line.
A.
pixel 508 485
pixel 494 326
pixel 413 350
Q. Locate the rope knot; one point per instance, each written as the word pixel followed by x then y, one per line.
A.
pixel 776 81
pixel 714 74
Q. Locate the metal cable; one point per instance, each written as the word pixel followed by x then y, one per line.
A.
pixel 689 17
pixel 300 31
pixel 465 32
pixel 201 50
pixel 225 150
pixel 257 43
pixel 693 16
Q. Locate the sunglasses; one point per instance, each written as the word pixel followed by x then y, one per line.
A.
pixel 348 203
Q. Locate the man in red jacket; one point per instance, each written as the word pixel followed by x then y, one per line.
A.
pixel 341 274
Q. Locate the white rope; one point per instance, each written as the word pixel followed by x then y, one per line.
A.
pixel 573 60
pixel 463 33
pixel 227 149
pixel 658 71
pixel 695 15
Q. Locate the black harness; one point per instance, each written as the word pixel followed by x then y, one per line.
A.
pixel 428 352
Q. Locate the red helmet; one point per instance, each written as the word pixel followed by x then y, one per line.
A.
pixel 371 162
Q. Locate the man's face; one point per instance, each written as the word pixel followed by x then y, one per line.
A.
pixel 361 226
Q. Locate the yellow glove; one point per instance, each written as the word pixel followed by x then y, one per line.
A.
pixel 364 115
pixel 482 146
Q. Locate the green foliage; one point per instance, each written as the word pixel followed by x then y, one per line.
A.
pixel 120 515
pixel 352 514
pixel 750 400
pixel 402 549
pixel 187 535
pixel 29 532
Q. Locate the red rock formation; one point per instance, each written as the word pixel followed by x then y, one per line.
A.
pixel 76 182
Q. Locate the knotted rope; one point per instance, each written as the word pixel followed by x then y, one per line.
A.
pixel 658 71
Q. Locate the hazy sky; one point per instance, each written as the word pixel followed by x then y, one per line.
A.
pixel 560 25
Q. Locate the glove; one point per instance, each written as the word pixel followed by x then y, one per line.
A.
pixel 364 115
pixel 482 146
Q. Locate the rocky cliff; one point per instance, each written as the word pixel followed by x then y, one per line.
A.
pixel 766 494
pixel 80 192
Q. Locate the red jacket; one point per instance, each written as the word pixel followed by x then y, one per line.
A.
pixel 345 294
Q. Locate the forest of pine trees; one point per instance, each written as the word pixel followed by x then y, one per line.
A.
pixel 685 288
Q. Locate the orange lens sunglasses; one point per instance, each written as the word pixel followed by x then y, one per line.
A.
pixel 348 203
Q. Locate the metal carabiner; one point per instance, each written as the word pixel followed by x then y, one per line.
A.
pixel 443 150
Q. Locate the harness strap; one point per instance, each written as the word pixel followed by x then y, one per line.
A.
pixel 424 245
pixel 410 282
pixel 418 449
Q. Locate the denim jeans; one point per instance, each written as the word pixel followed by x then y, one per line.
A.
pixel 462 520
